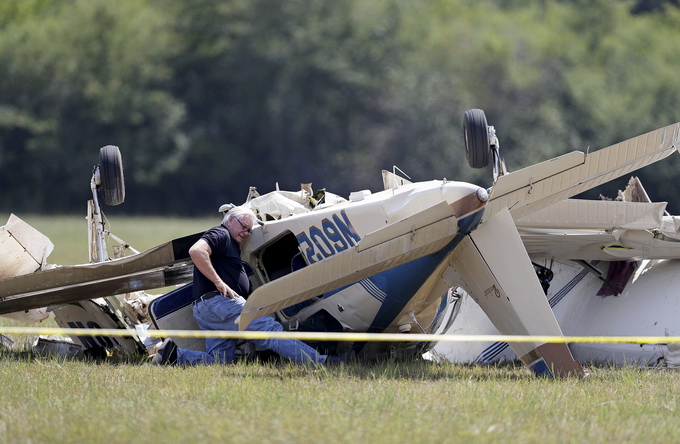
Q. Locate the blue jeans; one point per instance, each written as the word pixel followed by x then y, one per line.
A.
pixel 220 313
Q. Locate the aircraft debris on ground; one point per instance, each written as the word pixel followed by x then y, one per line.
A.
pixel 519 258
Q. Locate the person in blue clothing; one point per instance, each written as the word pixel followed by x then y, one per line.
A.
pixel 220 282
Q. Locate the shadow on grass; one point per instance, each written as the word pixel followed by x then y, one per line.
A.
pixel 425 370
pixel 93 356
pixel 275 367
pixel 270 365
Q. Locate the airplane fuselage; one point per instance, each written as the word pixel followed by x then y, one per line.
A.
pixel 401 299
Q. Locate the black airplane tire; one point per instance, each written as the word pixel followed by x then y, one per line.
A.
pixel 111 171
pixel 476 132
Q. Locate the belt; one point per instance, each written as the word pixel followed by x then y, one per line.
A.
pixel 208 295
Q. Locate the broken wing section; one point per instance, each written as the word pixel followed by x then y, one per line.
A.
pixel 162 266
pixel 23 250
pixel 601 230
pixel 492 265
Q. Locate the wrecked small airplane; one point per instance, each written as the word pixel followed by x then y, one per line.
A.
pixel 425 257
pixel 608 268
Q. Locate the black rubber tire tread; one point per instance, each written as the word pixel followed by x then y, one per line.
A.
pixel 476 133
pixel 111 171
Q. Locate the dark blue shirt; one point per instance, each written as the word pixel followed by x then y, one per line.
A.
pixel 226 259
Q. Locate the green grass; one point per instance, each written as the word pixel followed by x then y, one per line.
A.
pixel 45 399
pixel 50 400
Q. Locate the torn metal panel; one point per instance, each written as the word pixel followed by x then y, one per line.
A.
pixel 672 355
pixel 29 316
pixel 392 181
pixel 634 192
pixel 670 227
pixel 58 347
pixel 6 342
pixel 24 249
pixel 89 314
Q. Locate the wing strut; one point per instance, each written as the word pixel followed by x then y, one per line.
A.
pixel 492 265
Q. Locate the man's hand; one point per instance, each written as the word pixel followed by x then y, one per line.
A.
pixel 200 253
pixel 226 291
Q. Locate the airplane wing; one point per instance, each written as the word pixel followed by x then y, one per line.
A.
pixel 408 239
pixel 540 185
pixel 158 267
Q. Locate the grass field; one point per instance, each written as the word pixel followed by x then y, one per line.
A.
pixel 47 399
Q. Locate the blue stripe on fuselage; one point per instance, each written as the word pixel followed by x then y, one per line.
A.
pixel 402 282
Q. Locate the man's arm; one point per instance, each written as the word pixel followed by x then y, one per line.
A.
pixel 200 253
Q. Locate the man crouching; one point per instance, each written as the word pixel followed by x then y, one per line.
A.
pixel 220 282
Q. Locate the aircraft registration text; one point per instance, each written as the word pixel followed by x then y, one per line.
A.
pixel 335 234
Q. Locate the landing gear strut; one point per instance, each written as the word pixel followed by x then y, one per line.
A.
pixel 481 143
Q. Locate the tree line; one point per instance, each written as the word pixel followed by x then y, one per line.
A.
pixel 206 98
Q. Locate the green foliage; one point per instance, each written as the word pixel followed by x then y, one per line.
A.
pixel 207 98
pixel 284 86
pixel 80 75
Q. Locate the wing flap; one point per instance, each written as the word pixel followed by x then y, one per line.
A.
pixel 572 214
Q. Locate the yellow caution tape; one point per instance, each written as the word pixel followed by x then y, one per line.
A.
pixel 355 337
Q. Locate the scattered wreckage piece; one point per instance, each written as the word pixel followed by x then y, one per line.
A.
pixel 162 266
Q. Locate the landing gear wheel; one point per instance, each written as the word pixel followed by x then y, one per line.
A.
pixel 477 147
pixel 111 170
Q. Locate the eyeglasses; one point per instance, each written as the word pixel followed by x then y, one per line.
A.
pixel 249 231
